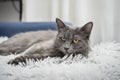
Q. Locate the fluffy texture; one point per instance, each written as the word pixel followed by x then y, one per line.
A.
pixel 103 64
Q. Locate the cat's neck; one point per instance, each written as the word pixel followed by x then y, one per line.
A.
pixel 55 52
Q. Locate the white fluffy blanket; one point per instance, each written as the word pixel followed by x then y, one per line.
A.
pixel 103 64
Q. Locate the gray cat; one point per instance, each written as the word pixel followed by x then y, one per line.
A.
pixel 42 44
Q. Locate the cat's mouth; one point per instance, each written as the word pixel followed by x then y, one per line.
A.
pixel 66 51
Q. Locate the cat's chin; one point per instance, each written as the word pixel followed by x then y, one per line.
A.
pixel 66 53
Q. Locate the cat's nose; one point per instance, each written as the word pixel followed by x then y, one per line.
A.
pixel 66 48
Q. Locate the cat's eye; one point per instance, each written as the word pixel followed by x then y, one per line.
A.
pixel 62 38
pixel 75 41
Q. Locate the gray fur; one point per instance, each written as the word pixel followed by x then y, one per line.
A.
pixel 41 44
pixel 22 41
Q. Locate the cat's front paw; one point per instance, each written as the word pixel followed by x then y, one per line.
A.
pixel 17 60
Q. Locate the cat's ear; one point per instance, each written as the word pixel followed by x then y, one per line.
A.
pixel 87 28
pixel 60 24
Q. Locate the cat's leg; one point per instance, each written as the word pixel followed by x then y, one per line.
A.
pixel 11 50
pixel 22 59
pixel 12 47
pixel 36 51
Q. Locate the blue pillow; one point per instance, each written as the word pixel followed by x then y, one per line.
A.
pixel 11 28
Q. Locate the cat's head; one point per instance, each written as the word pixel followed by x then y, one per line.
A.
pixel 72 41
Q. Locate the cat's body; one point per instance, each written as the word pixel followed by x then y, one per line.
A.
pixel 42 44
pixel 21 42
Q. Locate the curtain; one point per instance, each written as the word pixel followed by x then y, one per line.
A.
pixel 105 14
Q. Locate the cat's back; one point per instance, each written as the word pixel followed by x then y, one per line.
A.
pixel 43 35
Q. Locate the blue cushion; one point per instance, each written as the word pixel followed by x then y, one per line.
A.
pixel 11 28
